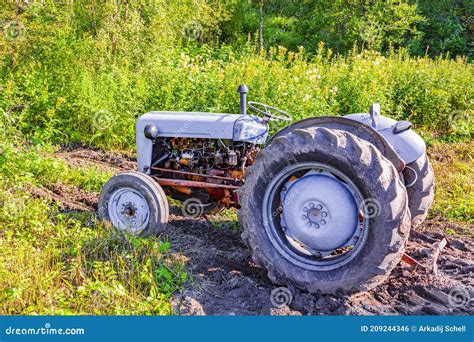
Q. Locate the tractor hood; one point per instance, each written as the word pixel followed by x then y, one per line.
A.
pixel 235 127
pixel 206 125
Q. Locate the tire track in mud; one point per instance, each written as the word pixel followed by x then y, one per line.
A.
pixel 108 161
pixel 71 198
pixel 225 281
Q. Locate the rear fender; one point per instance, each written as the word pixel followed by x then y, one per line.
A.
pixel 358 128
pixel 398 134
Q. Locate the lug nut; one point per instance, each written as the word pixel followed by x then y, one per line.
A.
pixel 317 255
pixel 324 214
pixel 317 226
pixel 320 206
pixel 323 221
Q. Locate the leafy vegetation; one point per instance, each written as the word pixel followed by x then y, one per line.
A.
pixel 82 71
pixel 35 167
pixel 453 167
pixel 54 262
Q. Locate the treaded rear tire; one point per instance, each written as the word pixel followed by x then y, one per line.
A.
pixel 376 178
pixel 421 193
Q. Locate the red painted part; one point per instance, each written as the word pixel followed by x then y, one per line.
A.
pixel 412 262
pixel 215 172
pixel 235 197
pixel 194 174
pixel 192 184
pixel 216 193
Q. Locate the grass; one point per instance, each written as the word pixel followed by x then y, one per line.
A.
pixel 453 166
pixel 36 166
pixel 54 262
pixel 226 218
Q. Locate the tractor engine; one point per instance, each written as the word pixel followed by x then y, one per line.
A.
pixel 209 170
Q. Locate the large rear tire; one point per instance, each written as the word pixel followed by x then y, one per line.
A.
pixel 347 183
pixel 134 202
pixel 420 190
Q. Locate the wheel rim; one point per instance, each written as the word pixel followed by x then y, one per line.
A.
pixel 128 210
pixel 314 216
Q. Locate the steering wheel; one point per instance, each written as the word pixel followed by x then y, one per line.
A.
pixel 266 111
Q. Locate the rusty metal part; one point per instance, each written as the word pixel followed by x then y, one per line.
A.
pixel 226 201
pixel 186 173
pixel 237 174
pixel 412 262
pixel 437 247
pixel 192 184
pixel 183 190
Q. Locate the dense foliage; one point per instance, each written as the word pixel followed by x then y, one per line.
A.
pixel 422 26
pixel 83 71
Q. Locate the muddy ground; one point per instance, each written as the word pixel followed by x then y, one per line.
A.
pixel 227 282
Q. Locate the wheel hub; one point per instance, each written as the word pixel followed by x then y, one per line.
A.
pixel 320 212
pixel 128 210
pixel 316 214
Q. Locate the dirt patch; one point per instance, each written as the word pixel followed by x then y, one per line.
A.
pixel 107 161
pixel 67 197
pixel 225 281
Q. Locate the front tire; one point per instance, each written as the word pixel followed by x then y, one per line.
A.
pixel 350 186
pixel 134 202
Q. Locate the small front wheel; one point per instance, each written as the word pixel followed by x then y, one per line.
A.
pixel 133 202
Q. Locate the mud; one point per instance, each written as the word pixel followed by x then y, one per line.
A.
pixel 66 197
pixel 107 161
pixel 225 281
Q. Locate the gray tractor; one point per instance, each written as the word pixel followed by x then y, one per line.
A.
pixel 325 204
